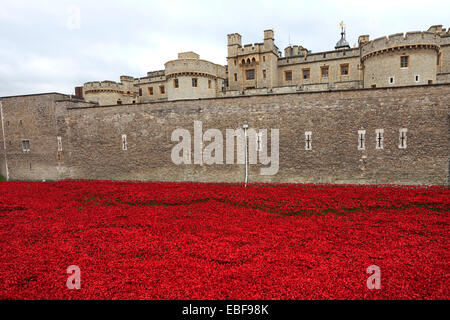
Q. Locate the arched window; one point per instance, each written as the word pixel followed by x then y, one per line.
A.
pixel 253 60
pixel 243 61
pixel 248 60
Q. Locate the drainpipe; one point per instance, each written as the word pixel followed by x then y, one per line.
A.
pixel 4 141
pixel 245 126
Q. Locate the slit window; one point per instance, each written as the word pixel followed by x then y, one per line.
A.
pixel 59 140
pixel 391 80
pixel 416 78
pixel 209 84
pixel 379 133
pixel 308 140
pixel 124 142
pixel 175 83
pixel 235 77
pixel 361 139
pixel 402 138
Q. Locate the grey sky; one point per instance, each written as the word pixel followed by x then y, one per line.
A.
pixel 42 49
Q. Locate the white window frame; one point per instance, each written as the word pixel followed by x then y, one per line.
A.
pixel 124 142
pixel 59 140
pixel 363 134
pixel 24 147
pixel 379 133
pixel 400 131
pixel 393 80
pixel 308 134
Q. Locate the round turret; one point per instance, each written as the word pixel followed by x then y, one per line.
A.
pixel 400 60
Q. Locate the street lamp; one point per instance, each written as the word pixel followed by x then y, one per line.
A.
pixel 245 127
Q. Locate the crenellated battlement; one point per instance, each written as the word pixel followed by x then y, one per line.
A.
pixel 414 39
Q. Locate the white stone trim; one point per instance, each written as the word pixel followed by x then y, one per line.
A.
pixel 124 142
pixel 362 146
pixel 404 131
pixel 59 141
pixel 379 133
pixel 308 145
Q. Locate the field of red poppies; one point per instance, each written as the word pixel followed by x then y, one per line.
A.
pixel 222 241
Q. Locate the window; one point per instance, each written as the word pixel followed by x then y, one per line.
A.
pixel 416 78
pixel 379 138
pixel 402 138
pixel 391 80
pixel 26 145
pixel 264 74
pixel 150 91
pixel 308 141
pixel 59 140
pixel 305 74
pixel 124 142
pixel 235 77
pixel 175 83
pixel 344 69
pixel 209 84
pixel 438 59
pixel 250 74
pixel 234 61
pixel 373 86
pixel 59 156
pixel 324 72
pixel 288 75
pixel 119 101
pixel 361 139
pixel 404 61
pixel 140 92
pixel 162 90
pixel 194 82
pixel 264 58
pixel 430 81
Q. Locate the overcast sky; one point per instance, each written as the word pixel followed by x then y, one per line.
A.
pixel 48 46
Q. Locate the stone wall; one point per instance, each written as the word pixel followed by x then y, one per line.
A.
pixel 334 119
pixel 40 120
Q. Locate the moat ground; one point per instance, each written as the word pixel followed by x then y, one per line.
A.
pixel 222 241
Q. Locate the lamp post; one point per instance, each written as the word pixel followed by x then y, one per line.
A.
pixel 245 127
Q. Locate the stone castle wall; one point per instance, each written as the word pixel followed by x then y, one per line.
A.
pixel 92 145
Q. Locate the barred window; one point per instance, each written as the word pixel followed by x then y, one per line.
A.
pixel 324 72
pixel 306 74
pixel 344 69
pixel 404 61
pixel 26 145
pixel 250 74
pixel 288 75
